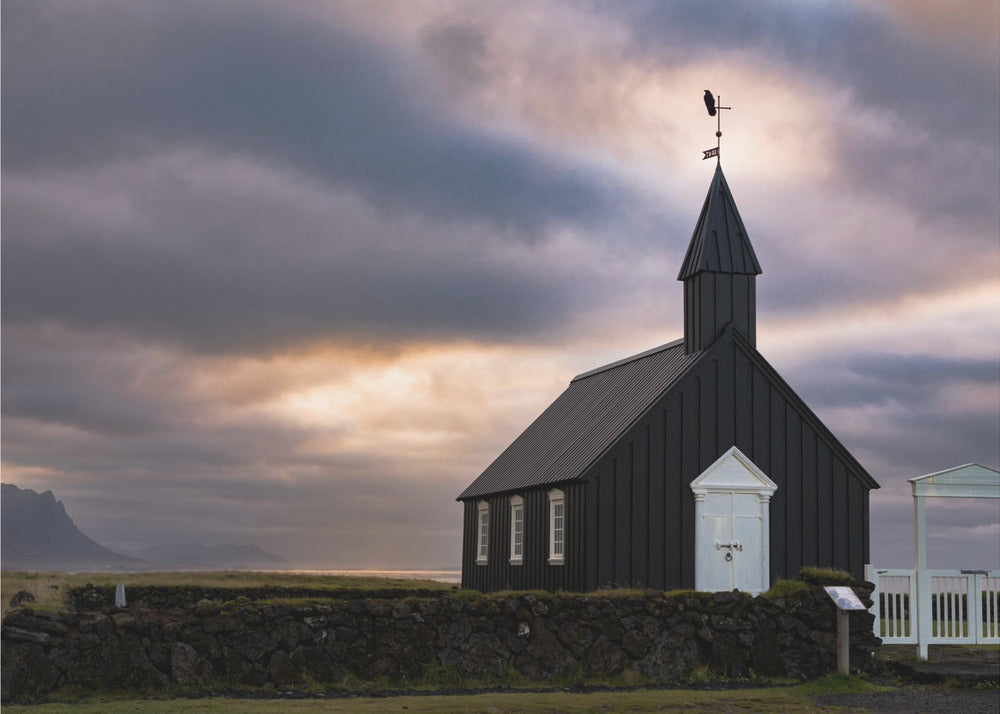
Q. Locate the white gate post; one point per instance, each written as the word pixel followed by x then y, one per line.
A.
pixel 979 581
pixel 923 599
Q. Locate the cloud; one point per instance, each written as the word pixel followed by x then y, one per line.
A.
pixel 296 273
pixel 219 253
pixel 249 79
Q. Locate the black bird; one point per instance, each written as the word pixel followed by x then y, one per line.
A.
pixel 710 103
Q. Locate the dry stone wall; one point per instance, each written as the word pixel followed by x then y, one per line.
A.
pixel 212 646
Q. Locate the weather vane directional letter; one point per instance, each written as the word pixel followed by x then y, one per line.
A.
pixel 713 111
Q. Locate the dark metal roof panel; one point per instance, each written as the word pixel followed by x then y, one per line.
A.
pixel 587 418
pixel 720 243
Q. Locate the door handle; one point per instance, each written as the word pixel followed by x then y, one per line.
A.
pixel 729 546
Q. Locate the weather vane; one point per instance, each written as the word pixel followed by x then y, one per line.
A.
pixel 713 111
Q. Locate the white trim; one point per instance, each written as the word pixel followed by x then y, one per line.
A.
pixel 516 509
pixel 557 517
pixel 482 533
pixel 718 479
pixel 968 481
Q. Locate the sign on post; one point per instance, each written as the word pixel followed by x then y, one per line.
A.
pixel 846 600
pixel 845 597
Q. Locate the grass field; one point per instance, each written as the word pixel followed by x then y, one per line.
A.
pixel 797 698
pixel 50 589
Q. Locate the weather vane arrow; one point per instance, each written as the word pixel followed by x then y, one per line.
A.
pixel 713 111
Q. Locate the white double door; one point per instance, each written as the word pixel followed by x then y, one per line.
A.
pixel 731 546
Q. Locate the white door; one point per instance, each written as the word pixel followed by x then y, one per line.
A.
pixel 716 553
pixel 731 549
pixel 732 499
pixel 747 558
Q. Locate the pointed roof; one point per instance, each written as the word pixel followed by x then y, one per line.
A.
pixel 720 243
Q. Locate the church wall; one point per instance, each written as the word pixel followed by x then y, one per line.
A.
pixel 535 571
pixel 642 510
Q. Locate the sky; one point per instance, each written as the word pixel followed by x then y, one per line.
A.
pixel 294 273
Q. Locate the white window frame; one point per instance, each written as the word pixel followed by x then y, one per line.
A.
pixel 557 499
pixel 516 510
pixel 482 533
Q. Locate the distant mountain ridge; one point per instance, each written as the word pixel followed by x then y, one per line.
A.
pixel 38 534
pixel 196 555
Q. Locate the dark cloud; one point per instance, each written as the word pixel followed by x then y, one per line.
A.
pixel 239 264
pixel 881 377
pixel 942 113
pixel 907 414
pixel 87 82
pixel 97 100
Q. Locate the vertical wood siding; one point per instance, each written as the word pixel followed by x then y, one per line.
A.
pixel 642 508
pixel 535 572
pixel 713 300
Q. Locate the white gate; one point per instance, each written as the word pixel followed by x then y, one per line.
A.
pixel 895 620
pixel 964 606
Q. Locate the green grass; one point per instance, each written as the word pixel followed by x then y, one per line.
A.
pixel 50 588
pixel 799 698
pixel 786 588
pixel 825 576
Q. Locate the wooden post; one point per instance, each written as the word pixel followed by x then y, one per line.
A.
pixel 843 642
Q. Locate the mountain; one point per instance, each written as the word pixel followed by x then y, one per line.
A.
pixel 38 534
pixel 196 555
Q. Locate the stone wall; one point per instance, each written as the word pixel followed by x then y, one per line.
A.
pixel 659 637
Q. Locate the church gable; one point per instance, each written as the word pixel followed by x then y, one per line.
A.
pixel 642 513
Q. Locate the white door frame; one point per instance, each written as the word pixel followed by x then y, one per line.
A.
pixel 732 473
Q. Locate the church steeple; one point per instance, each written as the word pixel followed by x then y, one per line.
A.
pixel 719 272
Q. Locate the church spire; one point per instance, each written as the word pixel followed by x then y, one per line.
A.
pixel 719 272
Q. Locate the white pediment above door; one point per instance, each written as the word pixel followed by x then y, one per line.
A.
pixel 733 472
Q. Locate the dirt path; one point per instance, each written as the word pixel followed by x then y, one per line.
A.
pixel 921 699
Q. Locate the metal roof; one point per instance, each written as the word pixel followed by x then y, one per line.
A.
pixel 720 243
pixel 595 410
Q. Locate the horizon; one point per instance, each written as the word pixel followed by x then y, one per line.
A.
pixel 294 275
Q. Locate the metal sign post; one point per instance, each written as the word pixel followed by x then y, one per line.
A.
pixel 846 600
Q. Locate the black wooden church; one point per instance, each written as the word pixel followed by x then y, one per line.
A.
pixel 690 465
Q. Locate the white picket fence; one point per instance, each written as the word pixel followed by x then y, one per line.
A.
pixel 965 606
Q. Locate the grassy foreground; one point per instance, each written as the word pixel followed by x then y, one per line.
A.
pixel 50 589
pixel 798 698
